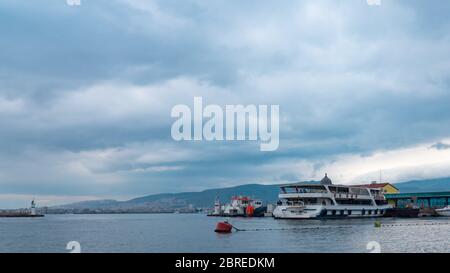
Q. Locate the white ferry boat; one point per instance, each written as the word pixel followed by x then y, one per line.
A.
pixel 325 200
pixel 444 211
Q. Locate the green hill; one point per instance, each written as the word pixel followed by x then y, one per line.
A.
pixel 206 198
pixel 427 185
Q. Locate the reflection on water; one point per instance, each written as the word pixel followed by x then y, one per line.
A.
pixel 194 233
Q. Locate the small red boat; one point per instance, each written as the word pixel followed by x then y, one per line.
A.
pixel 223 227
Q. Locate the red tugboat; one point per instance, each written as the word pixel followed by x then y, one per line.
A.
pixel 240 206
pixel 243 206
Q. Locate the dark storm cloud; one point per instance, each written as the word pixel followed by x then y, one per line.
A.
pixel 86 92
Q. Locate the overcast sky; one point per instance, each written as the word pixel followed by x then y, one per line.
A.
pixel 86 93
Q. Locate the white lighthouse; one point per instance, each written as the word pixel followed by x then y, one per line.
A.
pixel 33 208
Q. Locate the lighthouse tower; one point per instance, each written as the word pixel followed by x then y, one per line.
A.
pixel 33 208
pixel 217 209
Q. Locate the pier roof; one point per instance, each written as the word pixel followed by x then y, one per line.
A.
pixel 418 194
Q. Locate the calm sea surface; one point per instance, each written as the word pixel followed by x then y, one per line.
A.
pixel 194 233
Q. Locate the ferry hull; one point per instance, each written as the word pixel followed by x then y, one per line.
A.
pixel 334 212
pixel 259 212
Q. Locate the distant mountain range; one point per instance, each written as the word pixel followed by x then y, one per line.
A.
pixel 203 199
pixel 427 185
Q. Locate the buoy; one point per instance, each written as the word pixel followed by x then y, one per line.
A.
pixel 377 224
pixel 223 227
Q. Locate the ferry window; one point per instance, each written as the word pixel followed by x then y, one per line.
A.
pixel 370 212
pixel 324 203
pixel 342 212
pixel 376 211
pixel 363 212
pixel 334 212
pixel 349 212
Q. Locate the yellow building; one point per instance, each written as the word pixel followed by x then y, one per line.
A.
pixel 386 188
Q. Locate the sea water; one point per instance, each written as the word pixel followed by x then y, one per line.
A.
pixel 195 233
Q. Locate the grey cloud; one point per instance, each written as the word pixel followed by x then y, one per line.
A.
pixel 349 79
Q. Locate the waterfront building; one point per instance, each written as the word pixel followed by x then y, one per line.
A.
pixel 385 187
pixel 422 199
